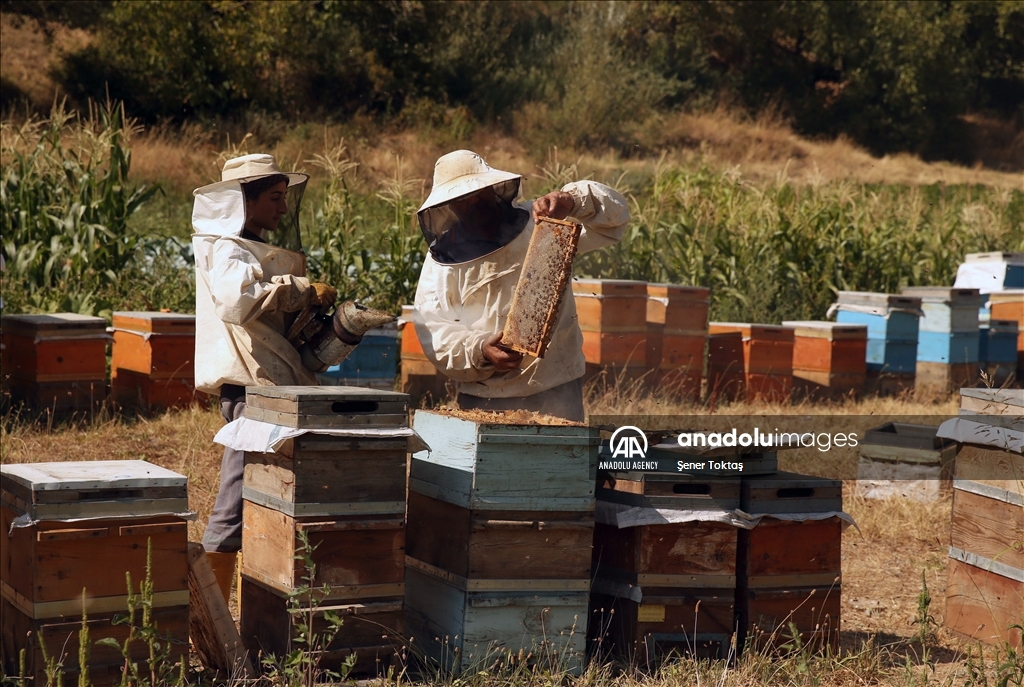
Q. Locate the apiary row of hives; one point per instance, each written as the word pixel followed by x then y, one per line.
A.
pixel 58 362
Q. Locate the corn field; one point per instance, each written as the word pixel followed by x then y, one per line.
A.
pixel 768 251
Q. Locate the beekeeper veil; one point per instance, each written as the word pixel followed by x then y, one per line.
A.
pixel 471 209
pixel 220 208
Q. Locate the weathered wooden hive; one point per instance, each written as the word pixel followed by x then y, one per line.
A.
pixel 765 371
pixel 790 563
pixel 55 362
pixel 900 459
pixel 828 359
pixel 85 525
pixel 677 331
pixel 500 531
pixel 667 587
pixel 985 573
pixel 152 359
pixel 892 322
pixel 346 496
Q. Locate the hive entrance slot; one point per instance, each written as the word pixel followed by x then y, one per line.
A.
pixel 692 489
pixel 347 407
pixel 795 493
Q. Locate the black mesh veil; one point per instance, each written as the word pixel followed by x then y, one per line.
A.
pixel 287 234
pixel 452 238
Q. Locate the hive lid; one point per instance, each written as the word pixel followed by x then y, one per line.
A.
pixel 674 291
pixel 889 300
pixel 69 324
pixel 609 287
pixel 325 407
pixel 93 489
pixel 155 322
pixel 773 332
pixel 1007 296
pixel 821 329
pixel 1010 258
pixel 944 294
pixel 1012 397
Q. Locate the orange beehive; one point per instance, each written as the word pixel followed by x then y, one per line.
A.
pixel 613 318
pixel 767 361
pixel 828 358
pixel 152 359
pixel 677 327
pixel 420 379
pixel 56 362
pixel 1009 305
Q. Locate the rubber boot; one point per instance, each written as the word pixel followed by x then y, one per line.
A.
pixel 223 565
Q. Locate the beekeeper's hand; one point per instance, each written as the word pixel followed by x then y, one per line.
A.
pixel 503 359
pixel 324 295
pixel 557 204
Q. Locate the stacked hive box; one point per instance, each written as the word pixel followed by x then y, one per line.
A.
pixel 790 563
pixel 420 379
pixel 985 578
pixel 373 363
pixel 500 531
pixel 898 459
pixel 152 359
pixel 56 362
pixel 947 340
pixel 1009 305
pixel 997 351
pixel 347 495
pixel 828 359
pixel 613 318
pixel 74 525
pixel 765 370
pixel 667 587
pixel 677 328
pixel 991 272
pixel 892 323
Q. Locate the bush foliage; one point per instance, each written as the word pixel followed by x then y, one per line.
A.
pixel 894 76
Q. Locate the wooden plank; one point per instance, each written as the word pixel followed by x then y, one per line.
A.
pixel 765 615
pixel 211 628
pixel 787 492
pixel 547 585
pixel 537 298
pixel 691 548
pixel 991 467
pixel 989 528
pixel 91 475
pixel 982 605
pixel 787 548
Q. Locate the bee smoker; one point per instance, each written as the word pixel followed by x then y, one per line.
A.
pixel 324 340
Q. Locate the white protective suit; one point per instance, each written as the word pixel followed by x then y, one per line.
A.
pixel 458 306
pixel 247 294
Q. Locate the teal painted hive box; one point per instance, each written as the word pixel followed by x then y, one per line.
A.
pixel 946 309
pixel 489 465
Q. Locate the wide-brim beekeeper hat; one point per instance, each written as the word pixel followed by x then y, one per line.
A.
pixel 461 173
pixel 251 167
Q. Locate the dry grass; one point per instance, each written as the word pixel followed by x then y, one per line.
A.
pixel 29 55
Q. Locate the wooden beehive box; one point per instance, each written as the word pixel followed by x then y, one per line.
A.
pixel 494 461
pixel 767 360
pixel 326 407
pixel 466 627
pixel 371 628
pixel 829 359
pixel 613 318
pixel 664 490
pixel 152 359
pixel 320 475
pixel 1009 305
pixel 86 524
pixel 537 298
pixel 56 362
pixel 499 545
pixel 899 459
pixel 355 556
pixel 946 309
pixel 790 570
pixel 726 376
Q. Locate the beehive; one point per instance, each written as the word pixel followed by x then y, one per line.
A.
pixel 612 315
pixel 997 351
pixel 346 495
pixel 892 322
pixel 989 272
pixel 829 359
pixel 790 570
pixel 152 359
pixel 1009 305
pixel 948 338
pixel 373 363
pixel 899 459
pixel 986 555
pixel 501 522
pixel 677 327
pixel 56 362
pixel 74 525
pixel 767 359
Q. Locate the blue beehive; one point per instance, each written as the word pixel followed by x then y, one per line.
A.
pixel 998 342
pixel 949 325
pixel 373 363
pixel 892 323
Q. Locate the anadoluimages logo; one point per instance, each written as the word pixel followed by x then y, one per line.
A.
pixel 628 442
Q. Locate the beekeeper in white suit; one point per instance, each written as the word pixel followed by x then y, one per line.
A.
pixel 477 235
pixel 250 285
